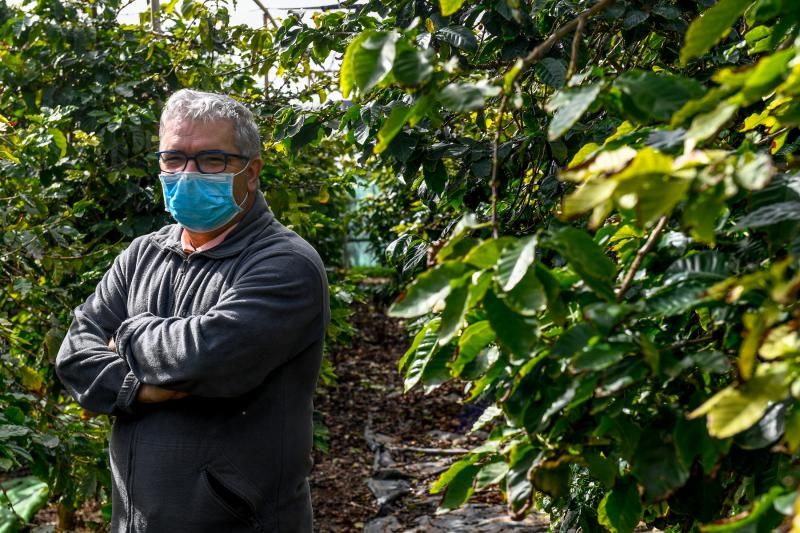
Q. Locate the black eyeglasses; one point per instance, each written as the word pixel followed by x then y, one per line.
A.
pixel 208 161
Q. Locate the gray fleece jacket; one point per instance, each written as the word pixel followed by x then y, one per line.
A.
pixel 240 328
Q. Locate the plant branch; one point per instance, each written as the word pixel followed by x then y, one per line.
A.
pixel 521 65
pixel 640 255
pixel 576 45
pixel 496 164
pixel 538 53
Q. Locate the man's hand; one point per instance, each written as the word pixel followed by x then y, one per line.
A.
pixel 151 393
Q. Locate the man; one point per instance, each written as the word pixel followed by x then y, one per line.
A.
pixel 205 340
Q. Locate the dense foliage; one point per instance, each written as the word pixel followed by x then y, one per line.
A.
pixel 606 204
pixel 595 200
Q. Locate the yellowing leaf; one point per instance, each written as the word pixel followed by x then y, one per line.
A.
pixel 780 342
pixel 450 6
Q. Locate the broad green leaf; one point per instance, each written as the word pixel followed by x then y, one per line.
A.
pixel 460 488
pixel 528 297
pixel 367 60
pixel 620 509
pixel 656 196
pixel 569 105
pixel 600 356
pixel 762 508
pixel 712 25
pixel 518 486
pixel 766 431
pixel 552 72
pixel 491 473
pixel 433 325
pixel 11 430
pixel 486 254
pixel 692 441
pixel 411 65
pixel 782 341
pixel 516 332
pixel 708 265
pixel 60 140
pixel 458 36
pixel 592 193
pixel 462 96
pixel 733 410
pixel 428 289
pixel 474 339
pixel 514 262
pixel 586 258
pixel 455 307
pixel 770 214
pixel 706 125
pixel 487 416
pixel 26 495
pixel 605 470
pixel 657 467
pixel 754 171
pixel 701 215
pixel 649 96
pixel 426 349
pixel 447 477
pixel 391 127
pixel 450 6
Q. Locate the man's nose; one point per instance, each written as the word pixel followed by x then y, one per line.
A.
pixel 191 165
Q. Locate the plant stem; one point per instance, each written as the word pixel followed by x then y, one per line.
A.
pixel 640 255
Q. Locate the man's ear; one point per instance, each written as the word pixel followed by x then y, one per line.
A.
pixel 253 171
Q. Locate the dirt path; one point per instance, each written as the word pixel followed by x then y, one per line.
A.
pixel 390 446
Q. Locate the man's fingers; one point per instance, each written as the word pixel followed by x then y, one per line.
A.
pixel 112 345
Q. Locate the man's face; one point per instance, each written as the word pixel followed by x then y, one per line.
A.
pixel 192 137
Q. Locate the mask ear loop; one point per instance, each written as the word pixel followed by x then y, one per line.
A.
pixel 247 192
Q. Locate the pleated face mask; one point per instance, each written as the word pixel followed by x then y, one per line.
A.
pixel 200 202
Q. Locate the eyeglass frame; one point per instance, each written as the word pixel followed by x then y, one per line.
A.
pixel 194 157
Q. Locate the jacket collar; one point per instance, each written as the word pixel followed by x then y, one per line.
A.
pixel 254 221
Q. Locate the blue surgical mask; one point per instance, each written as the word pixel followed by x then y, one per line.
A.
pixel 200 202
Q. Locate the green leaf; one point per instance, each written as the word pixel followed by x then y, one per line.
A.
pixel 586 258
pixel 486 254
pixel 26 495
pixel 422 356
pixel 60 141
pixel 657 467
pixel 621 509
pixel 367 60
pixel 514 262
pixel 450 6
pixel 552 72
pixel 708 265
pixel 515 332
pixel 428 289
pixel 491 473
pixel 450 474
pixel 458 36
pixel 518 486
pixel 655 96
pixel 411 65
pixel 706 125
pixel 464 96
pixel 569 105
pixel 770 214
pixel 602 468
pixel 600 356
pixel 391 127
pixel 712 25
pixel 455 307
pixel 733 410
pixel 475 338
pixel 528 297
pixel 11 430
pixel 460 488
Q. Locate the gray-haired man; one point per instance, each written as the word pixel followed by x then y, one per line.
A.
pixel 205 340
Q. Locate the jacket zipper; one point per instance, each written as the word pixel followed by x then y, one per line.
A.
pixel 177 285
pixel 129 484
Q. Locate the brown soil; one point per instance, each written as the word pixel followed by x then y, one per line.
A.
pixel 370 394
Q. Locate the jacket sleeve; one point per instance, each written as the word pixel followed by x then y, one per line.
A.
pixel 272 311
pixel 99 379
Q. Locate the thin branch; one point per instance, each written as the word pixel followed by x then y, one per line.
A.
pixel 538 53
pixel 576 45
pixel 640 255
pixel 496 165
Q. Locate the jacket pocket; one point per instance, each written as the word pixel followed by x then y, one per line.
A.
pixel 231 498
